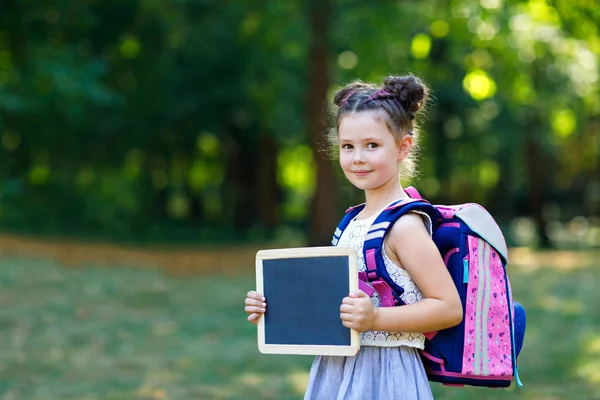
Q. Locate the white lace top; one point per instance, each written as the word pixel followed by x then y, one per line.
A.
pixel 353 236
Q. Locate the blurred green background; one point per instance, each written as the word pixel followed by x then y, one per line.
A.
pixel 149 148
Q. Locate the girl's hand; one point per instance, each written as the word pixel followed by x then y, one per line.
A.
pixel 357 312
pixel 255 306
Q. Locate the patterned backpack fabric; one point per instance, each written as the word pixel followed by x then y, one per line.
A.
pixel 482 350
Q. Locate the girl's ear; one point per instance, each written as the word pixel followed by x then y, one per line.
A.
pixel 404 147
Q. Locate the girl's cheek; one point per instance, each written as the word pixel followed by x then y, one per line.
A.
pixel 343 158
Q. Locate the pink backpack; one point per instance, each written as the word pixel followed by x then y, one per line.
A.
pixel 482 350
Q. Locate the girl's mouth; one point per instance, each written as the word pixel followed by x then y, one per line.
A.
pixel 361 173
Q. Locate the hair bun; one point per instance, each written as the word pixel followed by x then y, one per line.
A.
pixel 411 92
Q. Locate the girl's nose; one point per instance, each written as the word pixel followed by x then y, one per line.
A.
pixel 358 157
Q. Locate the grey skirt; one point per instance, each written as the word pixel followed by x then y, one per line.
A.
pixel 375 373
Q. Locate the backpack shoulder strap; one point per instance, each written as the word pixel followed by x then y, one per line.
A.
pixel 373 246
pixel 391 214
pixel 350 214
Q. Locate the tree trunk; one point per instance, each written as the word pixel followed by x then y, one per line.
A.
pixel 323 215
pixel 537 168
pixel 240 179
pixel 269 194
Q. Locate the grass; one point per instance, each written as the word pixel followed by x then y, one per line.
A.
pixel 93 332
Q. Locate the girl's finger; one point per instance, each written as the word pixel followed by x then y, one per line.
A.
pixel 253 302
pixel 348 300
pixel 348 324
pixel 358 294
pixel 346 316
pixel 254 318
pixel 345 308
pixel 254 295
pixel 253 309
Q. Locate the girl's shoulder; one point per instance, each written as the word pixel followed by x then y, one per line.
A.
pixel 413 226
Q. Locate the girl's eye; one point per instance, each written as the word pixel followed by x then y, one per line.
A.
pixel 372 145
pixel 346 146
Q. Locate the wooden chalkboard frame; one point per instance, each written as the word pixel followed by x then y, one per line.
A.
pixel 307 252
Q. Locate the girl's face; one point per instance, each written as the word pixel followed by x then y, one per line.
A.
pixel 370 155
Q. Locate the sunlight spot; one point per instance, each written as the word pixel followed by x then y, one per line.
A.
pixel 151 393
pixel 489 110
pixel 439 28
pixel 213 392
pixel 523 90
pixel 297 169
pixel 571 307
pixel 486 30
pixel 479 85
pixel 129 47
pixel 250 24
pixel 521 256
pixel 178 205
pixel 541 11
pixel 208 143
pixel 347 59
pixel 421 45
pixel 520 22
pixel 594 346
pixel 462 9
pixel 590 371
pixel 556 231
pixel 489 173
pixel 523 230
pixel 481 58
pixel 547 34
pixel 526 53
pixel 203 174
pixel 133 164
pixel 562 305
pixel 585 67
pixel 296 173
pixel 298 381
pixel 579 226
pixel 564 122
pixel 594 236
pixel 558 45
pixel 251 379
pixel 490 4
pixel 528 259
pixel 39 174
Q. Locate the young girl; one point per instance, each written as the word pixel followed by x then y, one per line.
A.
pixel 376 138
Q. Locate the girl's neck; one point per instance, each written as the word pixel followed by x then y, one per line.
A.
pixel 378 198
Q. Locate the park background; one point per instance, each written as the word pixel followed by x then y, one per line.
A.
pixel 149 148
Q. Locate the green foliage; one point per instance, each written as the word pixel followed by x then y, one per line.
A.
pixel 120 119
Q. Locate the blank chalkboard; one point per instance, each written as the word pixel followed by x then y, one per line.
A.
pixel 304 288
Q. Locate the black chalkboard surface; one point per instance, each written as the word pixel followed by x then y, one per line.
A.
pixel 304 288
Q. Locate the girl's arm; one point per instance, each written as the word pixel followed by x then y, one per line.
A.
pixel 440 308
